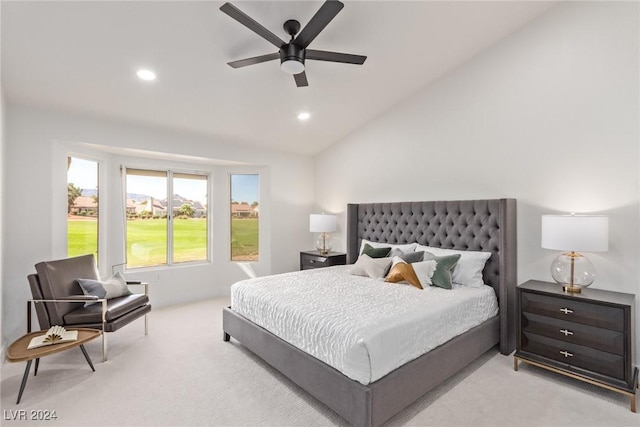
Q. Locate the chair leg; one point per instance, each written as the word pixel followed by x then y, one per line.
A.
pixel 104 330
pixel 104 346
pixel 146 324
pixel 35 372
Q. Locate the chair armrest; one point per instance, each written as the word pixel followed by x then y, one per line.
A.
pixel 80 297
pixel 139 283
pixel 71 298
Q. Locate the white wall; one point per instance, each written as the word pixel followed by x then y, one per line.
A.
pixel 2 244
pixel 2 183
pixel 37 144
pixel 548 116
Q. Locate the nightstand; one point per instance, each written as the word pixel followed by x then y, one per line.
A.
pixel 314 259
pixel 587 336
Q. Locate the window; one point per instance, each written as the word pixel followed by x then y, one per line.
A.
pixel 82 207
pixel 245 215
pixel 164 230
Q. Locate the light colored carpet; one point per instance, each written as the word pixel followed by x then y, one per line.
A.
pixel 183 374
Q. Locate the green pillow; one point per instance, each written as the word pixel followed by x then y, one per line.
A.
pixel 376 252
pixel 444 265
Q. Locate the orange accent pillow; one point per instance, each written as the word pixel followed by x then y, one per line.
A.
pixel 403 272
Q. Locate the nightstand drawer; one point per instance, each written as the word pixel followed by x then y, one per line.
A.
pixel 314 259
pixel 608 364
pixel 576 333
pixel 574 311
pixel 309 261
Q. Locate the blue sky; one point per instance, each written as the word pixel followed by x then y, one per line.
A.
pixel 244 187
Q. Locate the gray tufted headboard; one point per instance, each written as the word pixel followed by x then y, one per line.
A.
pixel 476 225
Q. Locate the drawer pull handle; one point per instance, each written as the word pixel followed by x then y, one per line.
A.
pixel 566 332
pixel 566 353
pixel 566 310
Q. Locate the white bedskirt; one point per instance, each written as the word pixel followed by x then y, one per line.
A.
pixel 364 328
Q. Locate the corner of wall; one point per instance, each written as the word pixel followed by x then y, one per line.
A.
pixel 2 183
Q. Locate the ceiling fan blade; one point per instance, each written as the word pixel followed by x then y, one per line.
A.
pixel 323 16
pixel 255 60
pixel 301 79
pixel 252 24
pixel 323 55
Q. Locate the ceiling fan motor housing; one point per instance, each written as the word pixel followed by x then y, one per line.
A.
pixel 292 52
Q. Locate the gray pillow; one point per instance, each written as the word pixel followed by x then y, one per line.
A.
pixel 408 257
pixel 375 268
pixel 113 287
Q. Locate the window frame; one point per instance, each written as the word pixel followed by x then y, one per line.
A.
pixel 170 171
pixel 229 216
pixel 101 250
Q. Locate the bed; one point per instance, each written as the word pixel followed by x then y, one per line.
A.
pixel 470 225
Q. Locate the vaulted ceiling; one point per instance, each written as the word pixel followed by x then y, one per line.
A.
pixel 83 56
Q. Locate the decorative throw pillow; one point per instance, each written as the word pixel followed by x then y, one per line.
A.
pixel 408 257
pixel 376 252
pixel 406 248
pixel 441 276
pixel 113 287
pixel 370 267
pixel 425 271
pixel 469 269
pixel 403 272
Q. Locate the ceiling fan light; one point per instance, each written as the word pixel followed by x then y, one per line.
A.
pixel 292 66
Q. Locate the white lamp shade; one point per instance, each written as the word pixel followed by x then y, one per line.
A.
pixel 579 233
pixel 321 223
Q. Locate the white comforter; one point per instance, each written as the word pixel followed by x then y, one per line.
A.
pixel 364 328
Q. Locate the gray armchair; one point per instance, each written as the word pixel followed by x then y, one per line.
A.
pixel 59 300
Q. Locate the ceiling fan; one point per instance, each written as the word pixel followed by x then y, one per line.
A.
pixel 294 53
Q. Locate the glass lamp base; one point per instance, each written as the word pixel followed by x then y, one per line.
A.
pixel 573 271
pixel 323 244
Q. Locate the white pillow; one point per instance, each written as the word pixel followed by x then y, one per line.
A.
pixel 409 247
pixel 424 272
pixel 468 270
pixel 375 268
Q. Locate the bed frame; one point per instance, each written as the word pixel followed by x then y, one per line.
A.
pixel 486 225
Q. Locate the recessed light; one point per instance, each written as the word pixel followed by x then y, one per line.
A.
pixel 146 75
pixel 304 116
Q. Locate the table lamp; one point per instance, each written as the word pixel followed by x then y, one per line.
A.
pixel 584 233
pixel 323 224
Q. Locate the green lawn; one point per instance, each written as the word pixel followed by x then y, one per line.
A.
pixel 244 239
pixel 82 238
pixel 146 240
